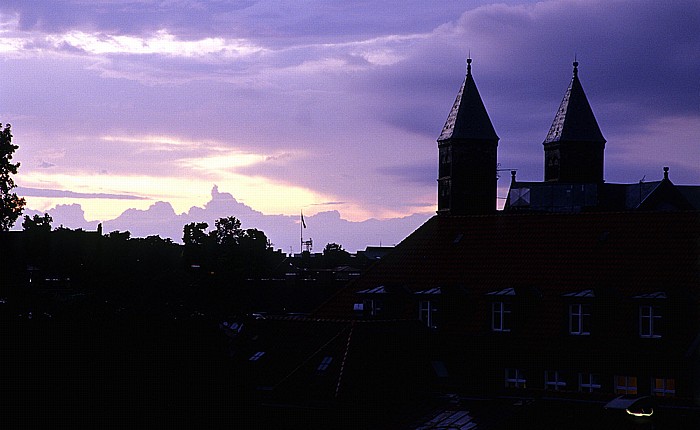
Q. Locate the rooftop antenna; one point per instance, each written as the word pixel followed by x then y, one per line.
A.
pixel 502 169
pixel 306 245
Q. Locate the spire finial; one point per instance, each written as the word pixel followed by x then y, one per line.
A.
pixel 575 66
pixel 469 63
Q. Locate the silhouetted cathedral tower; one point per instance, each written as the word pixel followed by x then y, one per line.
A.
pixel 467 151
pixel 573 148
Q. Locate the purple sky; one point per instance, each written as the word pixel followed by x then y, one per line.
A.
pixel 330 107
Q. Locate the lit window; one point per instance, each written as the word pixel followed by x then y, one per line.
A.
pixel 323 366
pixel 625 384
pixel 515 378
pixel 426 312
pixel 580 319
pixel 553 380
pixel 257 356
pixel 501 316
pixel 664 387
pixel 588 382
pixel 649 321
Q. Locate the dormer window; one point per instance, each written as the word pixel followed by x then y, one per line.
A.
pixel 371 303
pixel 579 312
pixel 580 319
pixel 501 316
pixel 502 309
pixel 426 312
pixel 427 306
pixel 649 321
pixel 650 314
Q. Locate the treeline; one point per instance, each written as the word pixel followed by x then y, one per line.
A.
pixel 227 251
pixel 215 271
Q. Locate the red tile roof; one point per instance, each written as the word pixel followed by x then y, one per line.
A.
pixel 545 254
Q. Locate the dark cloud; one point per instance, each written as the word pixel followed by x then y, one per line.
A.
pixel 277 22
pixel 46 165
pixel 421 173
pixel 43 192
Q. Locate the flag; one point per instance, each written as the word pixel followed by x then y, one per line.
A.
pixel 302 220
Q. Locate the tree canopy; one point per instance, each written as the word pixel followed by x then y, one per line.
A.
pixel 10 204
pixel 37 223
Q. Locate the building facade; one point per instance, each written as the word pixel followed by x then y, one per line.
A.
pixel 578 289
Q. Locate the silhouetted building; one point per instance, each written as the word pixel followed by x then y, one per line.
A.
pixel 573 148
pixel 578 291
pixel 467 153
pixel 573 171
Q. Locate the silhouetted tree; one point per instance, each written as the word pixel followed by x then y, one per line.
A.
pixel 194 233
pixel 121 236
pixel 228 231
pixel 38 241
pixel 37 223
pixel 197 244
pixel 10 204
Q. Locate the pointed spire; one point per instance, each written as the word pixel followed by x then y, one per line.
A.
pixel 468 118
pixel 574 120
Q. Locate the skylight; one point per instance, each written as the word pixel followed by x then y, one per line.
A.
pixel 324 365
pixel 257 356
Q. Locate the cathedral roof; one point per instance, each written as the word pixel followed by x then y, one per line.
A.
pixel 574 121
pixel 468 118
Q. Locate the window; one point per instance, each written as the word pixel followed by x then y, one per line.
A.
pixel 445 160
pixel 553 380
pixel 426 312
pixel 580 319
pixel 501 316
pixel 445 185
pixel 625 384
pixel 649 321
pixel 371 307
pixel 323 366
pixel 515 378
pixel 663 387
pixel 257 356
pixel 588 382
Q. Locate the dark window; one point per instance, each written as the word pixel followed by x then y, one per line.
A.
pixel 501 316
pixel 649 321
pixel 426 312
pixel 580 319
